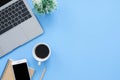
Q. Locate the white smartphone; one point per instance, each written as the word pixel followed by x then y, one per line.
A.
pixel 20 70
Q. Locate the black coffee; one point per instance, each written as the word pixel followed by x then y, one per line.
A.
pixel 42 51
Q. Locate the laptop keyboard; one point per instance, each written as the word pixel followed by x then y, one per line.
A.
pixel 13 15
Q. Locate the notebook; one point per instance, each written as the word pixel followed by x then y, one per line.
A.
pixel 8 73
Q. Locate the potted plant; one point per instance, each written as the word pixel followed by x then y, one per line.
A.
pixel 44 6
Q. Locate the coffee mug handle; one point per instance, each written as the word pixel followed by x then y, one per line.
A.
pixel 39 63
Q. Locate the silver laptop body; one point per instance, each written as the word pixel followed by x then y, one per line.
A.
pixel 15 31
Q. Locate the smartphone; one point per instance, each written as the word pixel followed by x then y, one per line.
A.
pixel 20 70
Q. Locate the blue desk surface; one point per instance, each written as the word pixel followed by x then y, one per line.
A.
pixel 84 36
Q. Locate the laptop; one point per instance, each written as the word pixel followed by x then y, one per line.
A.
pixel 18 25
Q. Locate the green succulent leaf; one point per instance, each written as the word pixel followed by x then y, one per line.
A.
pixel 44 6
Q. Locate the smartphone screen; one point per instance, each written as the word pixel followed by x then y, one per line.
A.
pixel 21 71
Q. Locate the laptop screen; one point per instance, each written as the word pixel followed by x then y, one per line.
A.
pixel 3 2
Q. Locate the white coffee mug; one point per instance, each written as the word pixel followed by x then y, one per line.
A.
pixel 39 49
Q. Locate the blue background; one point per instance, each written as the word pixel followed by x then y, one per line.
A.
pixel 84 36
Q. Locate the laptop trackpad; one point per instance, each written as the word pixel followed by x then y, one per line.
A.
pixel 12 39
